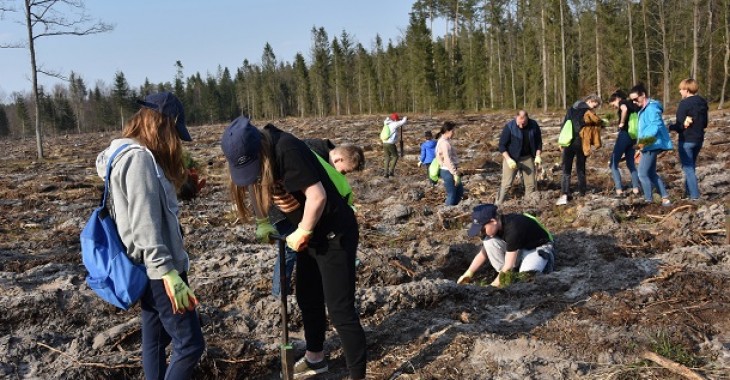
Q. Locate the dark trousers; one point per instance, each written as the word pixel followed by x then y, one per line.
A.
pixel 160 327
pixel 574 151
pixel 326 276
pixel 390 155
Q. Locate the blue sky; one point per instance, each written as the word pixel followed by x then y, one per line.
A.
pixel 149 36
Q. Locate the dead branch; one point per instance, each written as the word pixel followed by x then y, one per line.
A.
pixel 235 361
pixel 402 267
pixel 664 217
pixel 87 364
pixel 712 232
pixel 672 366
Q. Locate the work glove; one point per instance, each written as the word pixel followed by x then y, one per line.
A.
pixel 457 180
pixel 465 278
pixel 538 160
pixel 419 163
pixel 299 239
pixel 263 230
pixel 180 295
pixel 511 163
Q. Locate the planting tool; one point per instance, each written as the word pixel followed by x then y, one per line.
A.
pixel 286 349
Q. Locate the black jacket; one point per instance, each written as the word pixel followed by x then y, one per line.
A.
pixel 696 107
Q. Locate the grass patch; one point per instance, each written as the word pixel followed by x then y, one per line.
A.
pixel 662 344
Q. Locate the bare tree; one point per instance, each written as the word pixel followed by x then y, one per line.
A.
pixel 663 26
pixel 631 42
pixel 48 18
pixel 695 37
pixel 598 50
pixel 726 61
pixel 562 51
pixel 709 48
pixel 543 57
pixel 647 53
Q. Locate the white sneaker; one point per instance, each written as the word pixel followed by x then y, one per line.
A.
pixel 303 369
pixel 563 200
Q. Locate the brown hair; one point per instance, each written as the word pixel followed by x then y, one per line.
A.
pixel 262 190
pixel 157 133
pixel 690 85
pixel 353 154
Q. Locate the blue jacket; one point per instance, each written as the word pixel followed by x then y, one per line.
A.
pixel 510 140
pixel 428 151
pixel 651 124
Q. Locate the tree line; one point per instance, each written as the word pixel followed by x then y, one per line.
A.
pixel 492 54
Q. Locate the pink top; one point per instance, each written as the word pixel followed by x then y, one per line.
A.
pixel 446 154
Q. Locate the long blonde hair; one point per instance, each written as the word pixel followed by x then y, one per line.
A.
pixel 262 189
pixel 157 133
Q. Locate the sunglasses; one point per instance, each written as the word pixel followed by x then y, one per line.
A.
pixel 635 100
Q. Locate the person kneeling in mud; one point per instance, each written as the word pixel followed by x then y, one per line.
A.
pixel 509 241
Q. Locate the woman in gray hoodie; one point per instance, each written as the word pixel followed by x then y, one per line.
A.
pixel 143 183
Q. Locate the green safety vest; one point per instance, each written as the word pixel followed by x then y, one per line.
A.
pixel 339 180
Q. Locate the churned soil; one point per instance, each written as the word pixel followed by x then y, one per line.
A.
pixel 630 277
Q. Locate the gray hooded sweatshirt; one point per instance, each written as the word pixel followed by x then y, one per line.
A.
pixel 145 209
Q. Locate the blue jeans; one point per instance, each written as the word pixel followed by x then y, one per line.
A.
pixel 454 192
pixel 160 327
pixel 284 228
pixel 624 147
pixel 648 175
pixel 688 152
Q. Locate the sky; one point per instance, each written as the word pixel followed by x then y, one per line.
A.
pixel 149 36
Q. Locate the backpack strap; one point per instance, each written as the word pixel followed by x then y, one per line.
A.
pixel 109 172
pixel 550 236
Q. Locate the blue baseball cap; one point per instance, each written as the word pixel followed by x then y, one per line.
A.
pixel 241 144
pixel 169 105
pixel 480 216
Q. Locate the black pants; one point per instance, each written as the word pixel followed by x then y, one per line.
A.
pixel 575 150
pixel 326 275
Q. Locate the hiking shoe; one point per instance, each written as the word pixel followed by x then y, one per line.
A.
pixel 666 202
pixel 303 369
pixel 563 200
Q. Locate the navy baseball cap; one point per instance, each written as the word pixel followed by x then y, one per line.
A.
pixel 241 144
pixel 169 105
pixel 480 216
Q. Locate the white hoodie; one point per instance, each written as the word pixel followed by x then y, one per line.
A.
pixel 394 128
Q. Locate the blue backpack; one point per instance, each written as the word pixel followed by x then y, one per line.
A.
pixel 112 275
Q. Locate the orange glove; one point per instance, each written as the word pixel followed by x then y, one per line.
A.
pixel 299 239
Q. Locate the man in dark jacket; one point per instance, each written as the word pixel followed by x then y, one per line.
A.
pixel 520 144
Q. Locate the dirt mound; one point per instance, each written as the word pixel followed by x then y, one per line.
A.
pixel 630 277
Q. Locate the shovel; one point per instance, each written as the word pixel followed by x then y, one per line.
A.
pixel 286 349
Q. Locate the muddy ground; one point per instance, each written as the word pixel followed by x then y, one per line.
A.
pixel 630 277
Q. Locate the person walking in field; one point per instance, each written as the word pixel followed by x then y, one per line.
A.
pixel 389 135
pixel 143 183
pixel 625 141
pixel 520 145
pixel 690 126
pixel 428 152
pixel 581 116
pixel 653 138
pixel 270 166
